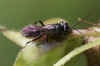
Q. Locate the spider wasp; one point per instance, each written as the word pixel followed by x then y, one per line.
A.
pixel 55 31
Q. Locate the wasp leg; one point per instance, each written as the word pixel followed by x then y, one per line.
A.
pixel 37 37
pixel 40 22
pixel 47 38
pixel 34 39
pixel 28 42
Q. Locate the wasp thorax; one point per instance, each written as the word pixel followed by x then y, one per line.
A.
pixel 60 28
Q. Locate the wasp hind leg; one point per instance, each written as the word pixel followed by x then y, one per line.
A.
pixel 38 37
pixel 34 39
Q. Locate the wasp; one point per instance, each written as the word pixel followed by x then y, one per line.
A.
pixel 54 31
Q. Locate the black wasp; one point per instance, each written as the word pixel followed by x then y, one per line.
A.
pixel 55 31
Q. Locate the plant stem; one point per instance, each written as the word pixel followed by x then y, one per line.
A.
pixel 77 51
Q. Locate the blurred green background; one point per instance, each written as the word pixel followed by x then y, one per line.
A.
pixel 15 14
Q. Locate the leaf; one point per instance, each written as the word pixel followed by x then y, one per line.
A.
pixel 14 36
pixel 32 55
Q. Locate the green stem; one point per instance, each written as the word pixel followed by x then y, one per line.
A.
pixel 76 52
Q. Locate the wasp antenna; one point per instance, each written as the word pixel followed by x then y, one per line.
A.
pixel 85 21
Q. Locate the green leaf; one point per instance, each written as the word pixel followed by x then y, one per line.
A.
pixel 31 55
